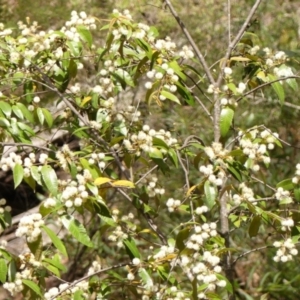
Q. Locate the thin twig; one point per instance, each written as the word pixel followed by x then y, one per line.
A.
pixel 147 217
pixel 73 284
pixel 250 251
pixel 191 41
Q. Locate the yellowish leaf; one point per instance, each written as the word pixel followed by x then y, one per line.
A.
pixel 102 180
pixel 191 189
pixel 123 183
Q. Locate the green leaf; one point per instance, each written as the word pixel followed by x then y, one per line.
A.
pixel 48 117
pixel 18 174
pixel 50 179
pixel 277 87
pixel 33 286
pixel 210 194
pixel 3 270
pixel 156 153
pixel 226 118
pixel 78 295
pixel 131 248
pixel 40 115
pixel 4 122
pixel 6 108
pixel 77 230
pixel 170 96
pixel 254 226
pixel 36 175
pixel 85 34
pixel 17 111
pixel 181 237
pixel 146 278
pixel 297 194
pixel 286 184
pixel 36 247
pixel 56 241
pixel 173 155
pixel 26 113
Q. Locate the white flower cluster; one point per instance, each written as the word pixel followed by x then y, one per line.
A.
pixel 283 71
pixel 173 204
pixel 296 178
pixel 245 194
pixel 118 235
pixel 201 210
pixel 204 268
pixel 254 50
pixel 216 179
pixel 143 141
pixel 273 59
pixel 98 158
pixel 152 187
pixel 216 151
pixel 257 151
pixel 167 78
pixel 28 265
pixel 70 29
pixel 186 53
pixel 286 224
pixel 286 251
pixel 4 31
pixel 75 193
pixel 29 227
pixel 202 233
pixel 4 208
pixel 64 156
pixel 282 194
pixel 231 101
pixel 95 267
pixel 68 291
pixel 163 252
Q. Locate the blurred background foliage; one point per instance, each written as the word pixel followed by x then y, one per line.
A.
pixel 277 26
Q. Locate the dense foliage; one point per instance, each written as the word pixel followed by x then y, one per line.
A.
pixel 133 209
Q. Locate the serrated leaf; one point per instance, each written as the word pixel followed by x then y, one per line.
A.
pixel 131 248
pixel 33 286
pixel 226 118
pixel 123 183
pixel 254 226
pixel 56 241
pixel 18 174
pixel 77 230
pixel 210 194
pixel 170 96
pixel 102 180
pixel 3 270
pixel 277 86
pixel 50 179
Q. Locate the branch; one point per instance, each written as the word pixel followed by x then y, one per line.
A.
pixel 147 217
pixel 191 41
pixel 73 284
pixel 250 251
pixel 237 39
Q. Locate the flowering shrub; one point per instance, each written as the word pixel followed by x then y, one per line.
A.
pixel 109 192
